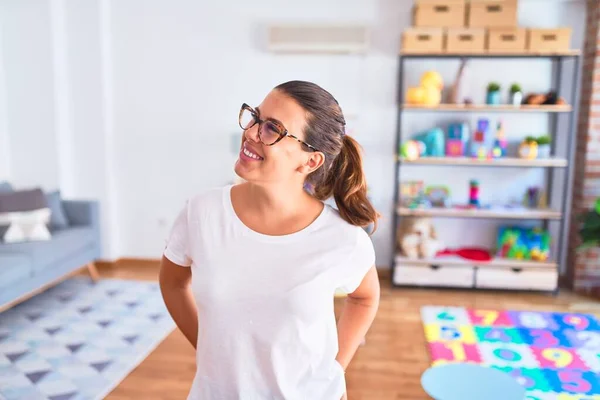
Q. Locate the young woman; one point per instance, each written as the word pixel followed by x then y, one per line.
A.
pixel 267 255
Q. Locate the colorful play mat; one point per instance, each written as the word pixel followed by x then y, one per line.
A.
pixel 553 355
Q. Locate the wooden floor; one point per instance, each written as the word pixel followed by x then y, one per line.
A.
pixel 388 367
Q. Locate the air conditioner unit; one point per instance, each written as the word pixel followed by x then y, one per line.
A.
pixel 318 38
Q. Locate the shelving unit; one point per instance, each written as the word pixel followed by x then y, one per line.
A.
pixel 498 273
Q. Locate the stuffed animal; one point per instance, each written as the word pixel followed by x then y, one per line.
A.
pixel 417 238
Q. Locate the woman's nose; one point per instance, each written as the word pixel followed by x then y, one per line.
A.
pixel 252 134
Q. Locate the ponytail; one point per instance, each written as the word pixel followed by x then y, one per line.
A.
pixel 346 182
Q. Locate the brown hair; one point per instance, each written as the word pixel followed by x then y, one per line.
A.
pixel 342 173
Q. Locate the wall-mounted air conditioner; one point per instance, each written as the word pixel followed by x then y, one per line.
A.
pixel 318 38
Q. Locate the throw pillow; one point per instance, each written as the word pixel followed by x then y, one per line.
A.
pixel 5 187
pixel 22 200
pixel 58 216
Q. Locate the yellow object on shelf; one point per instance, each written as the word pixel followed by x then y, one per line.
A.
pixel 429 93
pixel 432 79
pixel 528 150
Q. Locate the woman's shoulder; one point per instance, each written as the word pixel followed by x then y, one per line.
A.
pixel 208 200
pixel 344 228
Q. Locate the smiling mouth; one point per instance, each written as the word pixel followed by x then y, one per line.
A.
pixel 248 153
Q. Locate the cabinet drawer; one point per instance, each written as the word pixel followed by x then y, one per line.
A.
pixel 549 40
pixel 524 279
pixel 507 40
pixel 449 276
pixel 465 40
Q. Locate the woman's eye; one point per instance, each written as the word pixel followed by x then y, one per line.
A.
pixel 272 128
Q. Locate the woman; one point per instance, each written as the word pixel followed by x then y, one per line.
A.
pixel 266 257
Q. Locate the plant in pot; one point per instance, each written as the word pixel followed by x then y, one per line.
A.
pixel 590 230
pixel 493 94
pixel 543 146
pixel 516 94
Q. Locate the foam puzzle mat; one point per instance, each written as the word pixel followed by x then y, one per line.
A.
pixel 555 356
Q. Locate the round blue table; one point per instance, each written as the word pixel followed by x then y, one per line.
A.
pixel 470 382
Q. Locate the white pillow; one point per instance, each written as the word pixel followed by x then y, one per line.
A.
pixel 26 225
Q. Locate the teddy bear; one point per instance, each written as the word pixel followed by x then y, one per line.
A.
pixel 417 238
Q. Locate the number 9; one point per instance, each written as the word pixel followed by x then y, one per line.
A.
pixel 560 357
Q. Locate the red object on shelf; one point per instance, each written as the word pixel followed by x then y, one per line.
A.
pixel 469 253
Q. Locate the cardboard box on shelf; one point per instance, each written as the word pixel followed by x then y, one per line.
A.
pixel 491 14
pixel 507 40
pixel 549 40
pixel 465 40
pixel 440 14
pixel 423 40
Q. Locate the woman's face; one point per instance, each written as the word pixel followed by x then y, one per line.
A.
pixel 286 161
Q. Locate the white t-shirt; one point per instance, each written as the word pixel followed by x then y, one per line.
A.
pixel 267 327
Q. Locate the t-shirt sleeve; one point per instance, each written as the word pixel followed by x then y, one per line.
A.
pixel 178 249
pixel 359 263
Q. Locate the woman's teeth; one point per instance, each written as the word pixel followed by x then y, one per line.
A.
pixel 251 155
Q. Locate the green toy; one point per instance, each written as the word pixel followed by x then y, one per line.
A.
pixel 524 243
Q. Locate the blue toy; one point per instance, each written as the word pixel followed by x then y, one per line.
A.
pixel 434 142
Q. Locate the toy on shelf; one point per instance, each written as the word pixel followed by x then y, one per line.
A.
pixel 458 137
pixel 550 98
pixel 429 92
pixel 528 148
pixel 478 144
pixel 468 253
pixel 417 238
pixel 474 194
pixel 412 195
pixel 535 197
pixel 412 149
pixel 523 243
pixel 500 143
pixel 433 140
pixel 438 196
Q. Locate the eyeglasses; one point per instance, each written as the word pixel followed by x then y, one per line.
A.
pixel 270 131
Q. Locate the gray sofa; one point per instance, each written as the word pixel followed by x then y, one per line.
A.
pixel 29 266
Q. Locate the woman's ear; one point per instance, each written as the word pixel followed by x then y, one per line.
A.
pixel 313 163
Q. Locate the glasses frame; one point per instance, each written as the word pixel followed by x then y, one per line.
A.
pixel 260 122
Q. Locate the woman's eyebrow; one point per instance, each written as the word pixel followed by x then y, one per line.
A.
pixel 257 109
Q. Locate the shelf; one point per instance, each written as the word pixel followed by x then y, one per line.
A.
pixel 495 162
pixel 562 54
pixel 489 108
pixel 519 214
pixel 461 262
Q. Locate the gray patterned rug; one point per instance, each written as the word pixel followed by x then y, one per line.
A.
pixel 78 340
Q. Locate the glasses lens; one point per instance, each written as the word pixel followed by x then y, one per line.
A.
pixel 270 132
pixel 247 119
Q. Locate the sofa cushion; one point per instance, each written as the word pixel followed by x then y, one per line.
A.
pixel 14 268
pixel 5 187
pixel 63 245
pixel 58 218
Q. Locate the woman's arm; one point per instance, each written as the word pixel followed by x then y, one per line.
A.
pixel 176 291
pixel 357 315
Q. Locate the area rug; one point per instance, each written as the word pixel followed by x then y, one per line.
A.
pixel 555 356
pixel 78 340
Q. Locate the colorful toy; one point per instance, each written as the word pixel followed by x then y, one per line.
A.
pixel 544 351
pixel 417 238
pixel 479 143
pixel 439 196
pixel 535 197
pixel 433 140
pixel 412 149
pixel 523 243
pixel 410 190
pixel 458 137
pixel 429 92
pixel 500 143
pixel 528 148
pixel 474 194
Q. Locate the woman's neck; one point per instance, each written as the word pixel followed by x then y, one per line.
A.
pixel 277 200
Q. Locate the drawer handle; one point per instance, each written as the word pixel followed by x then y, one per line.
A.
pixel 423 38
pixel 465 38
pixel 494 9
pixel 435 267
pixel 508 38
pixel 517 270
pixel 441 9
pixel 549 38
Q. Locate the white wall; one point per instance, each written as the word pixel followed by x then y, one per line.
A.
pixel 154 90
